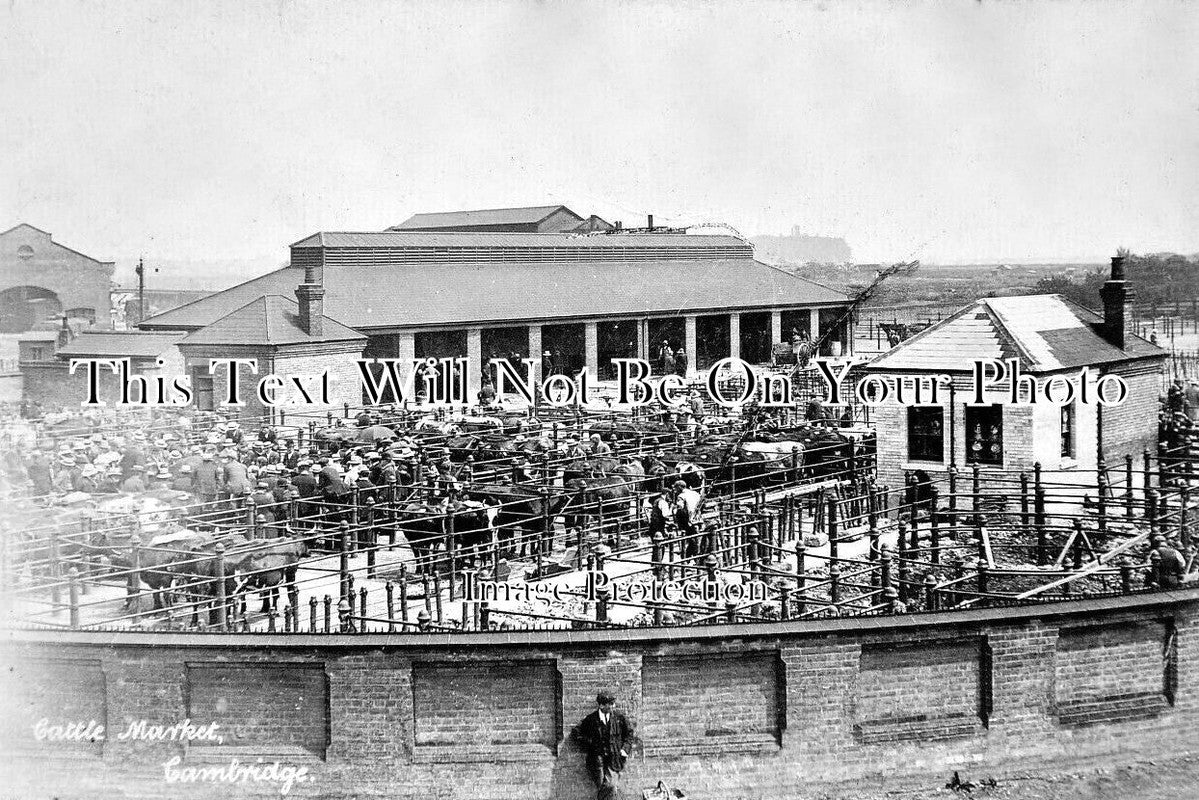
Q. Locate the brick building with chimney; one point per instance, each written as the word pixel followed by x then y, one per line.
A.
pixel 1049 337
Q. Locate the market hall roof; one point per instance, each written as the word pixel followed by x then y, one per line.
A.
pixel 270 320
pixel 426 246
pixel 530 215
pixel 1046 332
pixel 404 280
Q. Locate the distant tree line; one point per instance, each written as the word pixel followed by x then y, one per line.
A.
pixel 1159 280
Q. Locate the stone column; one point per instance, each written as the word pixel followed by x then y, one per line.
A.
pixel 776 328
pixel 690 342
pixel 643 339
pixel 591 347
pixel 474 364
pixel 734 335
pixel 535 350
pixel 405 352
pixel 814 325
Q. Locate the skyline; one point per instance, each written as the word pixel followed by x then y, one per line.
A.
pixel 955 134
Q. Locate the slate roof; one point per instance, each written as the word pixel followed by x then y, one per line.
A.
pixel 1046 332
pixel 530 215
pixel 367 296
pixel 418 239
pixel 272 320
pixel 206 310
pixel 119 344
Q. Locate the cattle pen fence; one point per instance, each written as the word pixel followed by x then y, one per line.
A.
pixel 780 546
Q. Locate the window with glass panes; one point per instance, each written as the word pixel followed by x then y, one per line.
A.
pixel 984 434
pixel 1069 436
pixel 926 433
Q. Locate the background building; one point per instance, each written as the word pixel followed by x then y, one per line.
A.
pixel 41 279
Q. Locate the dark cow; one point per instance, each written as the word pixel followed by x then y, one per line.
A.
pixel 269 564
pixel 425 527
pixel 607 496
pixel 526 510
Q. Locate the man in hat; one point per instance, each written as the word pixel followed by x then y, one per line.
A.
pixel 135 483
pixel 183 479
pixel 687 509
pixel 67 476
pixel 1190 399
pixel 306 491
pixel 89 479
pixel 695 404
pixel 206 480
pixel 658 512
pixel 162 479
pixel 574 450
pixel 132 456
pixel 234 475
pixel 38 470
pixel 263 499
pixel 599 447
pixel 290 455
pixel 605 736
pixel 666 358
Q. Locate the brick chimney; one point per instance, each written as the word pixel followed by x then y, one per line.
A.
pixel 1117 303
pixel 311 296
pixel 65 334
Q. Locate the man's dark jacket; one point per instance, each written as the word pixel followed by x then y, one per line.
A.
pixel 603 743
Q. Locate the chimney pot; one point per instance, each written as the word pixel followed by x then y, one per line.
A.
pixel 651 223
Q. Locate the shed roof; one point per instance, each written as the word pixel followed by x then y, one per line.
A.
pixel 270 320
pixel 1046 332
pixel 458 239
pixel 529 215
pixel 119 344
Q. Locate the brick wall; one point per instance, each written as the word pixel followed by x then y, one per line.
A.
pixel 55 690
pixel 414 716
pixel 486 705
pixel 919 691
pixel 307 361
pixel 710 701
pixel 51 383
pixel 1131 427
pixel 1109 673
pixel 265 707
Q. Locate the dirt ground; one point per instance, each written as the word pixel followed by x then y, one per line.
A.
pixel 1172 778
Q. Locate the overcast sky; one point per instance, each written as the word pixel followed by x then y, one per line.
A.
pixel 945 131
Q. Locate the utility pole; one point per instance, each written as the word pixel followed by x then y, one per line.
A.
pixel 141 289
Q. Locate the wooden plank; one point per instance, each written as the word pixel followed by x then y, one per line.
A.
pixel 1089 569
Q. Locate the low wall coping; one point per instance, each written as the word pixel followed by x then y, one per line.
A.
pixel 827 627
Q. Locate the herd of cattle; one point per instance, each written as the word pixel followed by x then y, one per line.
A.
pixel 502 484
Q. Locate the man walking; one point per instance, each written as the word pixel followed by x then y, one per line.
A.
pixel 605 736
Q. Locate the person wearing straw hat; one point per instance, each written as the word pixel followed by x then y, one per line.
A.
pixel 89 479
pixel 38 471
pixel 135 483
pixel 206 479
pixel 183 479
pixel 67 476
